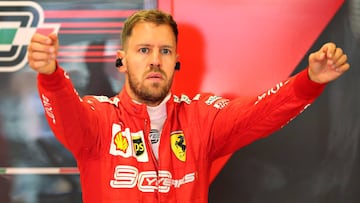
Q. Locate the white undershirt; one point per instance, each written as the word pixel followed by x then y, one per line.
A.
pixel 157 116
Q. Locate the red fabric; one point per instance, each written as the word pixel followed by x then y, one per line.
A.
pixel 109 137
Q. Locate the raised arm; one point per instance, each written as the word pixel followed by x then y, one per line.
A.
pixel 239 124
pixel 70 117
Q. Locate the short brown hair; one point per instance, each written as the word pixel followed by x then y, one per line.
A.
pixel 153 16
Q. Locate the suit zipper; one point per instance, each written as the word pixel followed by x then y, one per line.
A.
pixel 147 131
pixel 156 164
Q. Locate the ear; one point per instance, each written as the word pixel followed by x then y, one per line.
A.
pixel 121 55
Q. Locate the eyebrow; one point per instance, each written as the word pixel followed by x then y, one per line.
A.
pixel 149 45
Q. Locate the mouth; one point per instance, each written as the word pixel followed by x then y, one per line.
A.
pixel 154 76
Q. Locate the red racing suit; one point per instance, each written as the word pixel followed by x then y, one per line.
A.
pixel 109 137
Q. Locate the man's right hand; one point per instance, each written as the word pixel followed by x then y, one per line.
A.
pixel 42 52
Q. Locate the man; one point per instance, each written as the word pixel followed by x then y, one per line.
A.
pixel 148 145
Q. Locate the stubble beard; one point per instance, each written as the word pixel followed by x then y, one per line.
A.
pixel 152 94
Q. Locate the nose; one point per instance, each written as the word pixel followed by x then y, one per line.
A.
pixel 155 59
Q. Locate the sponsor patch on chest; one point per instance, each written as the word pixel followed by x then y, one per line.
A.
pixel 127 144
pixel 178 145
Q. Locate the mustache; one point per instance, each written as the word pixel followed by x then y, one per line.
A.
pixel 155 69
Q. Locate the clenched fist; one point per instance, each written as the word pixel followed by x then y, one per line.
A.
pixel 42 52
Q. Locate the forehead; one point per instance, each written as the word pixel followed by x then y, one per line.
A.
pixel 152 34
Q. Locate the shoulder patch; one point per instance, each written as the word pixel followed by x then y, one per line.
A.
pixel 217 101
pixel 186 99
pixel 212 99
pixel 183 98
pixel 105 99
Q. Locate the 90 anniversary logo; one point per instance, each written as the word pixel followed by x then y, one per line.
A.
pixel 19 20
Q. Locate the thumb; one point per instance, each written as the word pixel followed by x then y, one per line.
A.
pixel 317 56
pixel 54 37
pixel 323 52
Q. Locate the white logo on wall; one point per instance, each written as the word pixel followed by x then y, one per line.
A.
pixel 19 20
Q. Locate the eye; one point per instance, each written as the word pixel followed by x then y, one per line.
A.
pixel 165 51
pixel 144 50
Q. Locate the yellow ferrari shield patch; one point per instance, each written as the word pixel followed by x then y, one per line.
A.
pixel 178 145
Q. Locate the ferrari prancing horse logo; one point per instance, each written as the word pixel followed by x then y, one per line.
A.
pixel 178 145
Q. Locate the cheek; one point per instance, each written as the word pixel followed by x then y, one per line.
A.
pixel 136 63
pixel 135 71
pixel 170 73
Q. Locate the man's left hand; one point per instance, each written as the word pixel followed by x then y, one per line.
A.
pixel 327 64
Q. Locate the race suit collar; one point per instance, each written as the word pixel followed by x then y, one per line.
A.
pixel 135 108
